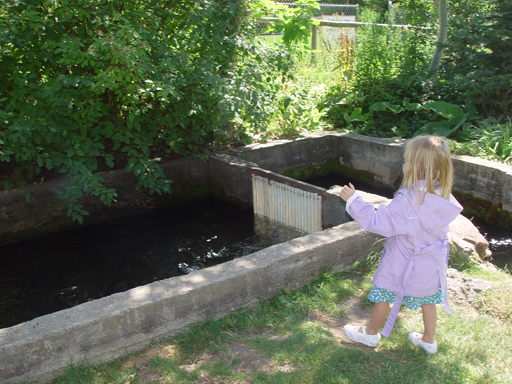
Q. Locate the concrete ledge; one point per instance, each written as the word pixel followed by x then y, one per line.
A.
pixel 224 175
pixel 125 322
pixel 110 327
pixel 485 179
pixel 45 213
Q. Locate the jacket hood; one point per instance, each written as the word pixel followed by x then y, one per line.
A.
pixel 436 212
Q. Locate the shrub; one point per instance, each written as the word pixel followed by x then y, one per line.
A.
pixel 479 56
pixel 109 83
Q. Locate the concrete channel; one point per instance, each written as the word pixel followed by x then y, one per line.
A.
pixel 110 327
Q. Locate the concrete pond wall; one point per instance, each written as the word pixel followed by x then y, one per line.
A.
pixel 125 322
pixel 227 176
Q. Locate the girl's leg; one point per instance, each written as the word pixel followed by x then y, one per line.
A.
pixel 379 315
pixel 371 336
pixel 429 312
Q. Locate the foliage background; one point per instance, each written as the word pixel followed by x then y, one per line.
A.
pixel 92 85
pixel 89 85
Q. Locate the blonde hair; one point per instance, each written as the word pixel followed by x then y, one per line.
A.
pixel 429 159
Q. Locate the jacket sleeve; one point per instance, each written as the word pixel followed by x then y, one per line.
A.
pixel 387 220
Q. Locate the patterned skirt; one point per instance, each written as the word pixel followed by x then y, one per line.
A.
pixel 378 295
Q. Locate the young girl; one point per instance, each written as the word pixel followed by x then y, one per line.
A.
pixel 412 270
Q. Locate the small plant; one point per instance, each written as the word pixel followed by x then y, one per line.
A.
pixel 452 114
pixel 488 140
pixel 344 107
pixel 294 22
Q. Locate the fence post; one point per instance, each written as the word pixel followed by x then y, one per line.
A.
pixel 314 37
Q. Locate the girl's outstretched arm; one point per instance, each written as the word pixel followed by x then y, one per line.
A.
pixel 347 192
pixel 387 220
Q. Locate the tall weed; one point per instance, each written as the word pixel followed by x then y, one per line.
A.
pixel 389 66
pixel 489 140
pixel 384 53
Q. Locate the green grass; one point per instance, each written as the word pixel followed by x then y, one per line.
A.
pixel 490 140
pixel 294 337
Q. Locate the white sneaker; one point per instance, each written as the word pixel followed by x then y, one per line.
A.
pixel 353 333
pixel 415 338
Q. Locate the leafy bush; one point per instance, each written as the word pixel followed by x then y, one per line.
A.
pixel 94 84
pixel 384 53
pixel 479 55
pixel 294 108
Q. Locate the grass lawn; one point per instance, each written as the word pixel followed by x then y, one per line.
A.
pixel 297 337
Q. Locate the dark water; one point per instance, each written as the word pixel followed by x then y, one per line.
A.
pixel 58 271
pixel 500 240
pixel 500 243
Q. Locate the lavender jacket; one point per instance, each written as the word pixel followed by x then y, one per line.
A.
pixel 415 255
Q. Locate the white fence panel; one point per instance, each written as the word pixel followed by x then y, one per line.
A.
pixel 287 205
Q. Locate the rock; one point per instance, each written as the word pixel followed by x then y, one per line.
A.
pixel 462 251
pixel 463 290
pixel 487 266
pixel 468 239
pixel 373 199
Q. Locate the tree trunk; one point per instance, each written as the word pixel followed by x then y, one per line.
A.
pixel 441 38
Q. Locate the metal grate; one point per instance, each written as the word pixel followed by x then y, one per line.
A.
pixel 288 205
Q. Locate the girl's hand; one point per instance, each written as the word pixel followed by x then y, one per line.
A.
pixel 346 192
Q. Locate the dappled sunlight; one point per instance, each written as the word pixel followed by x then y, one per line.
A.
pixel 140 293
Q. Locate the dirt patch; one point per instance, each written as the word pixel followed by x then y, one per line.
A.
pixel 243 359
pixel 140 363
pixel 356 313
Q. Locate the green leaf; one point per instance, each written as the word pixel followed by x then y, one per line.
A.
pixel 356 115
pixel 411 106
pixel 379 106
pixel 441 128
pixel 447 110
pixel 459 120
pixel 109 159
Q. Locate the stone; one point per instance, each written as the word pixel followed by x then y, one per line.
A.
pixel 466 238
pixel 463 290
pixel 462 250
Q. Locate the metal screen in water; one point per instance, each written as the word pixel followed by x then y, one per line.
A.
pixel 288 205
